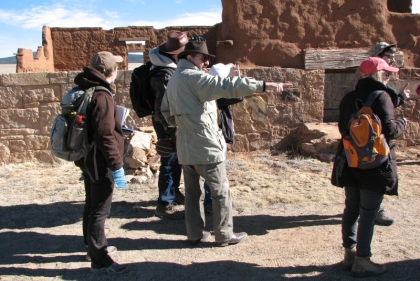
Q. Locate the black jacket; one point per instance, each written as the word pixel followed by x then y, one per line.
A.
pixel 158 82
pixel 384 178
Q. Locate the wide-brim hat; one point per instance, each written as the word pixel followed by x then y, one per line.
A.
pixel 379 48
pixel 194 47
pixel 175 43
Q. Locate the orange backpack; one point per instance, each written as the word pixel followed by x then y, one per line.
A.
pixel 365 146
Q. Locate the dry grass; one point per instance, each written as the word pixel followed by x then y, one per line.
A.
pixel 263 180
pixel 281 201
pixel 255 179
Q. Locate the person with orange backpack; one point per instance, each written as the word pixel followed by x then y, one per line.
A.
pixel 365 188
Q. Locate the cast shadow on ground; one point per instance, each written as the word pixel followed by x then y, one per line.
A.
pixel 65 213
pixel 253 225
pixel 67 248
pixel 222 270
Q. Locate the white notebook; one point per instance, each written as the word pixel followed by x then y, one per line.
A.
pixel 122 113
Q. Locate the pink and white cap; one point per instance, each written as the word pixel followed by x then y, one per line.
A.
pixel 375 64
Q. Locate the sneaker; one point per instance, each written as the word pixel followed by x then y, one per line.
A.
pixel 115 268
pixel 179 198
pixel 110 249
pixel 382 218
pixel 170 211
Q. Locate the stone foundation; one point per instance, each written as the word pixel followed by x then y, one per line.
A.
pixel 29 103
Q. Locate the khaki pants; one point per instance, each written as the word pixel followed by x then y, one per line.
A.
pixel 215 176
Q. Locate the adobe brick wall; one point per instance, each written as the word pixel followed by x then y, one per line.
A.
pixel 43 60
pixel 30 101
pixel 74 47
pixel 274 33
pixel 262 33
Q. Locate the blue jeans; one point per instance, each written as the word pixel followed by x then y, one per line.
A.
pixel 360 206
pixel 169 172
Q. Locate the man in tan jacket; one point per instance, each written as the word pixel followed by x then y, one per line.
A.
pixel 190 104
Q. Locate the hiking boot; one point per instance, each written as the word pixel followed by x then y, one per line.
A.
pixel 235 239
pixel 115 268
pixel 110 249
pixel 205 237
pixel 179 198
pixel 349 257
pixel 208 209
pixel 382 218
pixel 169 211
pixel 364 267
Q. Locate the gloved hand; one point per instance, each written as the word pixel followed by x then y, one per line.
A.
pixel 119 178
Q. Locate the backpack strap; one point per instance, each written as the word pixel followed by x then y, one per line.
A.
pixel 83 109
pixel 371 98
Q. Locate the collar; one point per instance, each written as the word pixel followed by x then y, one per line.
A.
pixel 158 59
pixel 184 63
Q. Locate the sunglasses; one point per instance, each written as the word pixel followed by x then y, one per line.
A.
pixel 391 56
pixel 386 75
pixel 205 58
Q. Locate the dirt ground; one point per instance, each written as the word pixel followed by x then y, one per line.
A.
pixel 286 205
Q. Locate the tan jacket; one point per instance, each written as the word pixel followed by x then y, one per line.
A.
pixel 190 103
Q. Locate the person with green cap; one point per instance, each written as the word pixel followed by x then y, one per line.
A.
pixel 105 160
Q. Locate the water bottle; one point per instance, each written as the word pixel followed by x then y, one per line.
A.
pixel 79 121
pixel 76 136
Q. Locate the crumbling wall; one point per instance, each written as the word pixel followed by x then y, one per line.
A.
pixel 275 32
pixel 44 58
pixel 29 103
pixel 74 47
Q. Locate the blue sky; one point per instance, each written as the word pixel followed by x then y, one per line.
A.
pixel 21 21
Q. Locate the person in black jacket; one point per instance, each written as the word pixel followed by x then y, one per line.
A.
pixel 164 57
pixel 104 161
pixel 364 189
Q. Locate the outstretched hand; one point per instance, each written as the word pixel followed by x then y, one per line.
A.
pixel 405 92
pixel 277 87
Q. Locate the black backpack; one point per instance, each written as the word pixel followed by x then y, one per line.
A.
pixel 141 94
pixel 226 118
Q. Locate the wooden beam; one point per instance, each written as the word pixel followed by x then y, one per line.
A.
pixel 333 59
pixel 135 47
pixel 135 39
